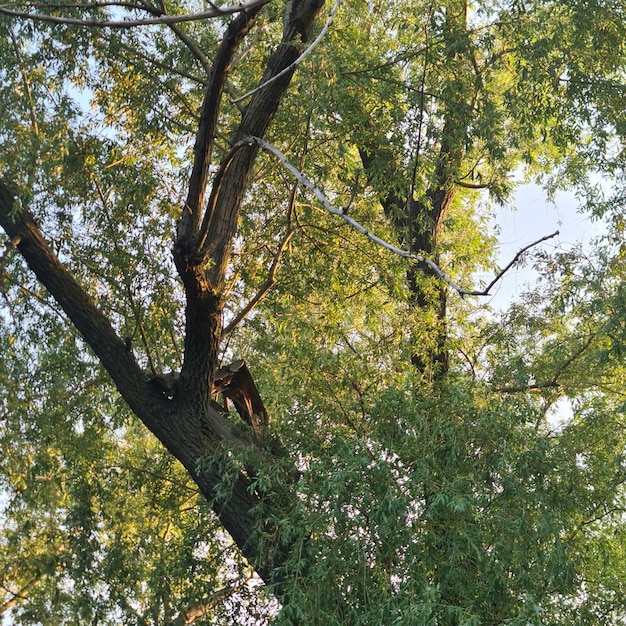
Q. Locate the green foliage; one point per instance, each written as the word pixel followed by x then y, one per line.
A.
pixel 457 510
pixel 454 502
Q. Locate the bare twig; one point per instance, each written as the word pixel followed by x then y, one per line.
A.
pixel 263 289
pixel 299 60
pixel 165 19
pixel 514 261
pixel 9 245
pixel 340 212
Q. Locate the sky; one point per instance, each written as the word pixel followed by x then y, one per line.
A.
pixel 531 217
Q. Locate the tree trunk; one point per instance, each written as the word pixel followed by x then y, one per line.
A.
pixel 185 421
pixel 419 221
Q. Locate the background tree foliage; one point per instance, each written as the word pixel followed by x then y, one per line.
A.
pixel 410 472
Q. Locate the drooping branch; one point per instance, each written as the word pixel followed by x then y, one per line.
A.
pixel 244 7
pixel 339 212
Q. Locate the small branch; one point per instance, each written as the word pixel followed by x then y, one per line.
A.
pixel 554 381
pixel 196 611
pixel 515 260
pixel 271 277
pixel 16 596
pixel 10 245
pixel 29 95
pixel 575 355
pixel 299 60
pixel 340 212
pixel 192 46
pixel 165 19
pixel 263 290
pixel 164 66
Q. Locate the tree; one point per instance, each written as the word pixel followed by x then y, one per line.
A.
pixel 387 458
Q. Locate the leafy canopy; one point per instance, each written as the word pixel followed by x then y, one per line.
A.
pixel 422 497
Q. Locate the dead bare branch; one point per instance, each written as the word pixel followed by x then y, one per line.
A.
pixel 7 9
pixel 340 212
pixel 515 260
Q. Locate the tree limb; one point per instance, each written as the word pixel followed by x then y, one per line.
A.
pixel 515 260
pixel 205 136
pixel 554 381
pixel 187 424
pixel 251 5
pixel 196 611
pixel 548 384
pixel 339 212
pixel 263 289
pixel 220 225
pixel 465 185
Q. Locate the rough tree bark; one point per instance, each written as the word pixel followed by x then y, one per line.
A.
pixel 187 424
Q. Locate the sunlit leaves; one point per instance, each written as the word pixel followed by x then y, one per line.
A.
pixel 461 502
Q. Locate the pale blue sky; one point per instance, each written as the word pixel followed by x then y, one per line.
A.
pixel 531 217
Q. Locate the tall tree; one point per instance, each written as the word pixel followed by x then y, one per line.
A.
pixel 387 457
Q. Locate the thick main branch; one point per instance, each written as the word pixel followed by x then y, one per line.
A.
pixel 203 245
